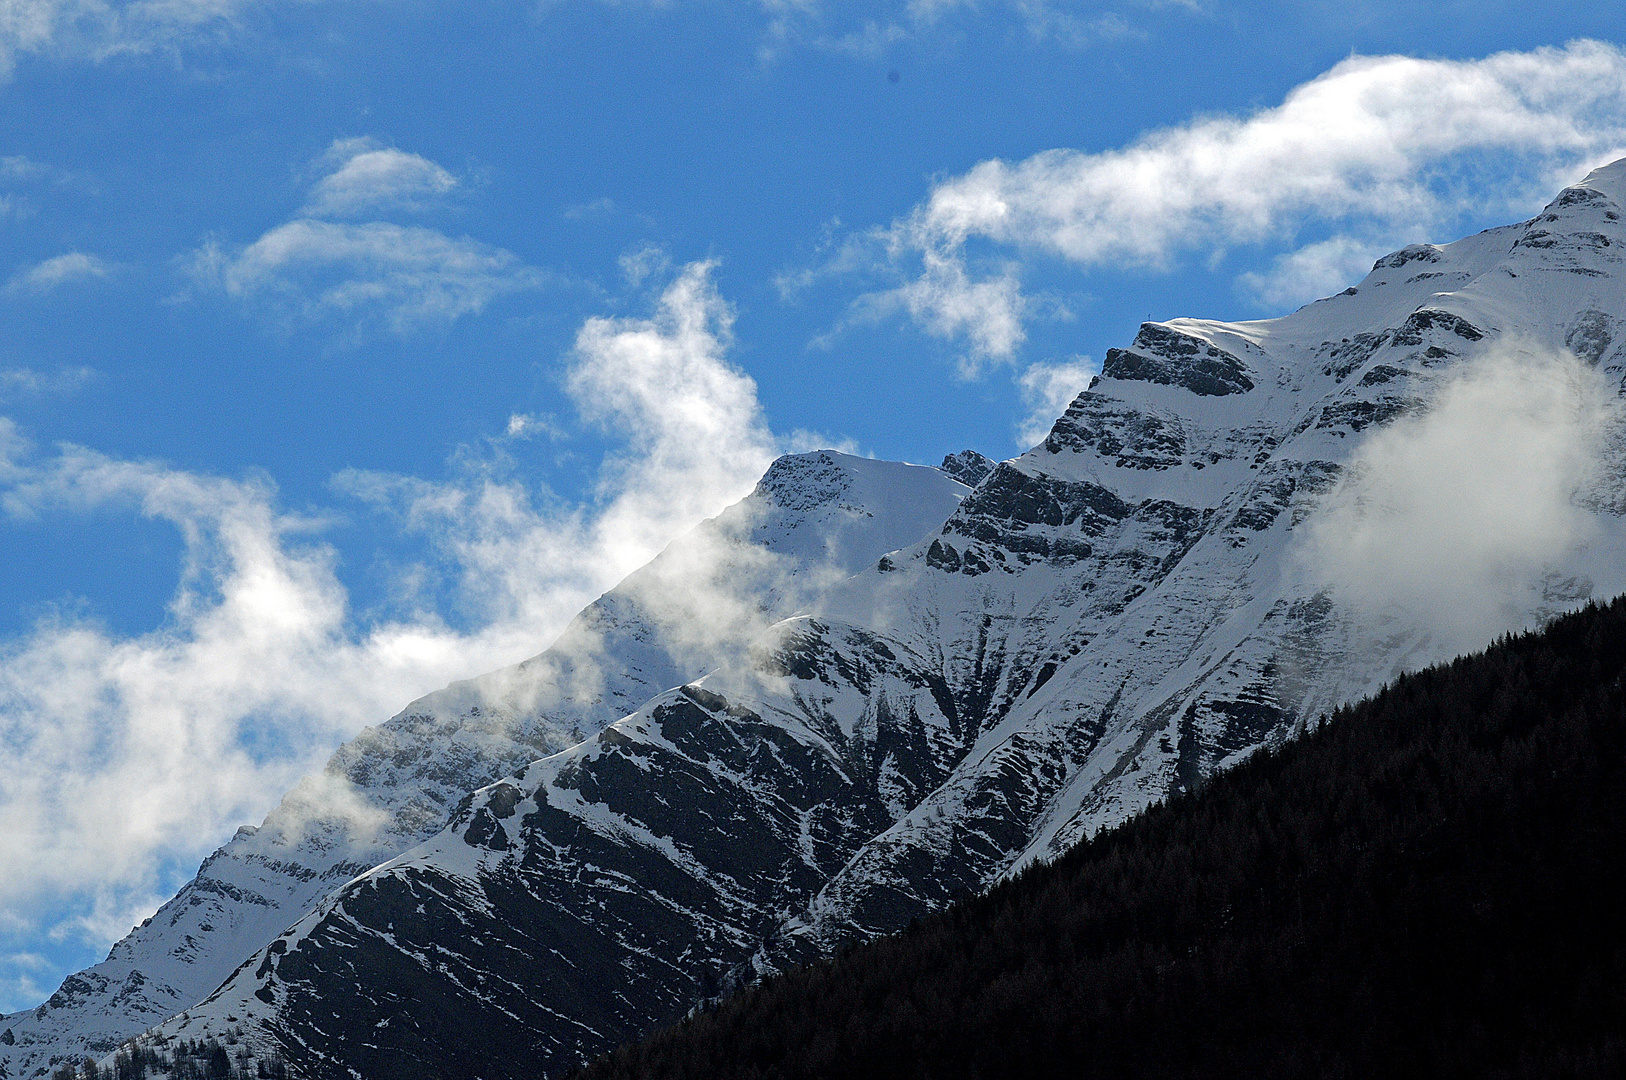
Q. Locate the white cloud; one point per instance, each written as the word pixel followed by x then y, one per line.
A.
pixel 649 260
pixel 687 412
pixel 1313 271
pixel 944 300
pixel 803 441
pixel 600 207
pixel 1455 513
pixel 367 177
pixel 120 744
pixel 948 303
pixel 528 426
pixel 13 447
pixel 870 31
pixel 1047 390
pixel 1382 148
pixel 403 277
pixel 24 976
pixel 18 167
pixel 27 382
pixel 125 750
pixel 97 29
pixel 1053 22
pixel 17 171
pixel 61 270
pixel 399 277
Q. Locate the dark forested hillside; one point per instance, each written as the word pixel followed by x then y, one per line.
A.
pixel 1427 885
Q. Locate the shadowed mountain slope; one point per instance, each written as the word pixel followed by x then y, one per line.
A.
pixel 1425 886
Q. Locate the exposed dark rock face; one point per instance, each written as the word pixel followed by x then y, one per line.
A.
pixel 573 920
pixel 1381 374
pixel 1132 438
pixel 1360 413
pixel 608 885
pixel 968 467
pixel 1351 353
pixel 1165 356
pixel 1428 324
pixel 1592 336
pixel 1416 253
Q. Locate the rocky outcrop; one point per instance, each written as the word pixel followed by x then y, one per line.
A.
pixel 968 467
pixel 1163 355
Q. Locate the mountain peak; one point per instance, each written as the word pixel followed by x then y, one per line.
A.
pixel 866 689
pixel 806 479
pixel 968 467
pixel 1609 179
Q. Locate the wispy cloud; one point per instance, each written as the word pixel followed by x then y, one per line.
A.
pixel 663 380
pixel 403 276
pixel 529 426
pixel 123 750
pixel 640 265
pixel 74 266
pixel 1378 149
pixel 1313 271
pixel 945 300
pixel 28 382
pixel 1047 390
pixel 96 29
pixel 871 31
pixel 367 177
pixel 949 303
pixel 21 177
pixel 692 432
pixel 600 207
pixel 93 30
pixel 24 976
pixel 1452 516
pixel 19 167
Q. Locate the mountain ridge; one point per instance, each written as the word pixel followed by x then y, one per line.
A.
pixel 812 516
pixel 1103 622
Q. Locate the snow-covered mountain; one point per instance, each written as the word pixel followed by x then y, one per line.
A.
pixel 814 518
pixel 1102 622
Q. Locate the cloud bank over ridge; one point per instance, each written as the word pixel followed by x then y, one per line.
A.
pixel 130 751
pixel 1379 150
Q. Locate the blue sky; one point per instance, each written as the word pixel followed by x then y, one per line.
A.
pixel 348 347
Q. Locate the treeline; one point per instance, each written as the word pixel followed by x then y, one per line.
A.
pixel 178 1059
pixel 1427 885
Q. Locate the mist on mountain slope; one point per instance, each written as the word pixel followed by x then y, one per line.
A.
pixel 135 753
pixel 1453 518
